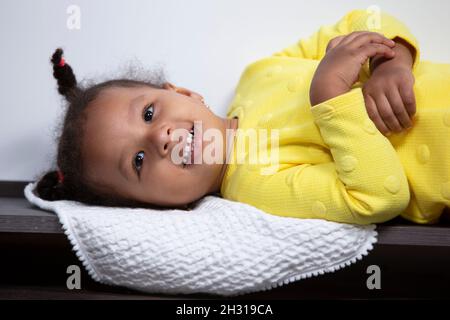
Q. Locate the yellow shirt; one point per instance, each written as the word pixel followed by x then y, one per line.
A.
pixel 332 162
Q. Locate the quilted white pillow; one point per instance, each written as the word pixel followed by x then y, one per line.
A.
pixel 221 247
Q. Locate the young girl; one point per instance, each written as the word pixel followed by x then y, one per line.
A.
pixel 349 145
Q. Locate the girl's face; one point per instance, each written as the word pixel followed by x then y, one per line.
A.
pixel 129 139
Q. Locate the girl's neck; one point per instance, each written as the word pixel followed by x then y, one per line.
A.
pixel 231 126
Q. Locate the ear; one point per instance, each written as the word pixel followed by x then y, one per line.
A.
pixel 180 90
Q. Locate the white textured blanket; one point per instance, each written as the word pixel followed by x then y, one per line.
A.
pixel 221 247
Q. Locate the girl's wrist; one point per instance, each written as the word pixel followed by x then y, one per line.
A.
pixel 404 57
pixel 322 91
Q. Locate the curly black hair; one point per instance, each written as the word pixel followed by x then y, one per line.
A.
pixel 69 153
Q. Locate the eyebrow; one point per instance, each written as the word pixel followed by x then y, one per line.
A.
pixel 124 165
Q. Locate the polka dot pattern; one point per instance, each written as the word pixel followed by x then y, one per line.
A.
pixel 246 103
pixel 446 119
pixel 445 190
pixel 295 84
pixel 274 71
pixel 327 112
pixel 348 163
pixel 423 153
pixel 392 184
pixel 422 156
pixel 369 127
pixel 289 179
pixel 318 208
pixel 265 119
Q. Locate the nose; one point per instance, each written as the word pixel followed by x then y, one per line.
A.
pixel 160 139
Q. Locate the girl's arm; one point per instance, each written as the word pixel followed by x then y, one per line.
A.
pixel 315 46
pixel 365 183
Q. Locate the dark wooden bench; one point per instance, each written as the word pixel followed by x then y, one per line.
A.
pixel 414 261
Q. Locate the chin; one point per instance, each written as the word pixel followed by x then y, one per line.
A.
pixel 183 202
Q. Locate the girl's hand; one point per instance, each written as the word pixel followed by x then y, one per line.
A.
pixel 339 69
pixel 389 94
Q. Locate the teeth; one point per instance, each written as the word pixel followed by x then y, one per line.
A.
pixel 188 148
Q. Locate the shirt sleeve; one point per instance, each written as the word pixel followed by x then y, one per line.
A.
pixel 315 46
pixel 365 183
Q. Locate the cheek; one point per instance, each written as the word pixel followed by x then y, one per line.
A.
pixel 171 179
pixel 177 189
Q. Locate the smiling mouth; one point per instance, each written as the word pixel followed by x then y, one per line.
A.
pixel 188 151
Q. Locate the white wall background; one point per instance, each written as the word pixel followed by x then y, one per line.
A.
pixel 203 45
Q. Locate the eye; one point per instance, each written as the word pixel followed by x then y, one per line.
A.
pixel 138 159
pixel 148 113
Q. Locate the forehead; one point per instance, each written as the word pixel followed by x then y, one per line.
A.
pixel 114 95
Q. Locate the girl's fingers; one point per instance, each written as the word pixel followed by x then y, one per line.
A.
pixel 370 37
pixel 373 49
pixel 374 115
pixel 386 113
pixel 334 42
pixel 398 108
pixel 409 99
pixel 349 39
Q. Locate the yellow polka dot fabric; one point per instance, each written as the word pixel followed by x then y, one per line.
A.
pixel 425 149
pixel 331 161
